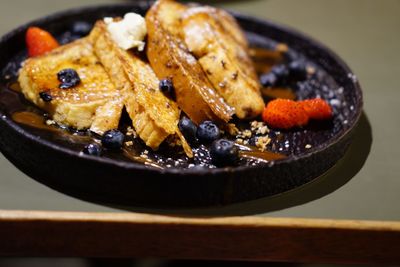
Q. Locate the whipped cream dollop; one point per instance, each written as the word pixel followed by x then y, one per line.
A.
pixel 129 32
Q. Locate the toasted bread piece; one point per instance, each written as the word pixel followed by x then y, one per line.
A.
pixel 82 106
pixel 218 43
pixel 154 116
pixel 170 58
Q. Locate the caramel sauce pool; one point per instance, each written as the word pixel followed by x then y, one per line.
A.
pixel 15 87
pixel 32 119
pixel 132 155
pixel 263 155
pixel 253 152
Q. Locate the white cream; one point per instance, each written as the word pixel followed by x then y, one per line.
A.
pixel 129 32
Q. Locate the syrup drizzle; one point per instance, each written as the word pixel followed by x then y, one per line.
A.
pixel 132 155
pixel 253 152
pixel 15 87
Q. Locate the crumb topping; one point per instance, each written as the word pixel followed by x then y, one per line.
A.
pixel 131 132
pixel 262 142
pixel 129 143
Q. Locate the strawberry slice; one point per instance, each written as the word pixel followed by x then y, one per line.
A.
pixel 39 41
pixel 317 109
pixel 284 114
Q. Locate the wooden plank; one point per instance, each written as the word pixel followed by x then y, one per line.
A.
pixel 56 234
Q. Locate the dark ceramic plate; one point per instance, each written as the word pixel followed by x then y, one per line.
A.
pixel 54 158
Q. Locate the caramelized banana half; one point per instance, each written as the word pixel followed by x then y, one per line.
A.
pixel 170 58
pixel 154 116
pixel 218 43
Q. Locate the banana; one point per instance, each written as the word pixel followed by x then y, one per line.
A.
pixel 169 57
pixel 218 43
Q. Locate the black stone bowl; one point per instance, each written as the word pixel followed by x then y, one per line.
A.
pixel 59 165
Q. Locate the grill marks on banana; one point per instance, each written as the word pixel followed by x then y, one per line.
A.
pixel 216 40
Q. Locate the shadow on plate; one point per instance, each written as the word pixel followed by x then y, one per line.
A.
pixel 336 177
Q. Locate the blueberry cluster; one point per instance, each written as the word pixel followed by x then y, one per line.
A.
pixel 283 74
pixel 223 152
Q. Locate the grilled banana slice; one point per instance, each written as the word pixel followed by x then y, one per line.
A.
pixel 154 116
pixel 94 103
pixel 229 23
pixel 169 57
pixel 218 43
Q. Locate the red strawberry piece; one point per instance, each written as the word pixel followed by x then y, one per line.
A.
pixel 39 41
pixel 317 109
pixel 284 114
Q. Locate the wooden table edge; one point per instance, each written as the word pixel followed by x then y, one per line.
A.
pixel 136 235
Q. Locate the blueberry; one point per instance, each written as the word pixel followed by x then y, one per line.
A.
pixel 224 153
pixel 278 75
pixel 167 87
pixel 298 70
pixel 207 132
pixel 81 28
pixel 269 79
pixel 45 96
pixel 68 78
pixel 188 129
pixel 113 139
pixel 281 71
pixel 93 150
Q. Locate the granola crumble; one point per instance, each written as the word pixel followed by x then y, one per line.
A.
pixel 262 142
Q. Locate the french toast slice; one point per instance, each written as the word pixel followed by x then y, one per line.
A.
pixel 219 44
pixel 170 58
pixel 94 103
pixel 154 116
